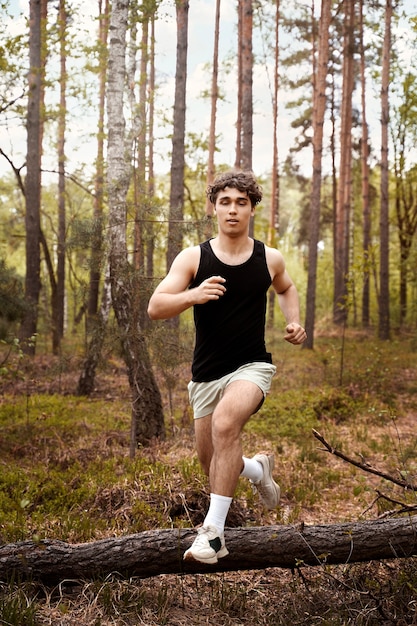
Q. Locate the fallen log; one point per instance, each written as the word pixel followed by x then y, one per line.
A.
pixel 155 552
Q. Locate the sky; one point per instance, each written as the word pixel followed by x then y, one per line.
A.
pixel 200 53
pixel 201 36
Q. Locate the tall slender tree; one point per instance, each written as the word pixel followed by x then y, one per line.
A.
pixel 97 318
pixel 384 317
pixel 343 205
pixel 213 115
pixel 366 212
pixel 58 300
pixel 274 208
pixel 139 178
pixel 150 239
pixel 147 415
pixel 246 79
pixel 319 109
pixel 403 126
pixel 144 14
pixel 238 150
pixel 37 51
pixel 96 262
pixel 176 203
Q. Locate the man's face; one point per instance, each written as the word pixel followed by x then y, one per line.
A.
pixel 234 210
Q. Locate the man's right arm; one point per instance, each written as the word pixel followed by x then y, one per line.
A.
pixel 173 296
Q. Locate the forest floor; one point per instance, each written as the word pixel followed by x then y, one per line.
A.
pixel 66 474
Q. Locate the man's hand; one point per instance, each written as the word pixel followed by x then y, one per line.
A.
pixel 295 334
pixel 210 289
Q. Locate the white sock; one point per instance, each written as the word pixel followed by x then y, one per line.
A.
pixel 218 510
pixel 252 469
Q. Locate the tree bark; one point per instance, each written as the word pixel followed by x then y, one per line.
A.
pixel 343 205
pixel 247 79
pixel 97 319
pixel 213 115
pixel 384 312
pixel 176 203
pixel 366 211
pixel 274 217
pixel 238 155
pixel 147 412
pixel 156 552
pixel 87 377
pixel 58 296
pixel 97 237
pixel 319 109
pixel 34 124
pixel 405 181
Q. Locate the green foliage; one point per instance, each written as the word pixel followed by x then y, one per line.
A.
pixel 66 473
pixel 12 302
pixel 18 608
pixel 75 478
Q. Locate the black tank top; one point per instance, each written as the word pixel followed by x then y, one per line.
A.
pixel 230 331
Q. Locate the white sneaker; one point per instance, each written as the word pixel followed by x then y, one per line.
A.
pixel 207 547
pixel 267 488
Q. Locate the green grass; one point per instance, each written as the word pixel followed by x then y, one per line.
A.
pixel 65 462
pixel 65 473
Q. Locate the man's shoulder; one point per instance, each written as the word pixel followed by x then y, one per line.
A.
pixel 188 258
pixel 273 252
pixel 274 259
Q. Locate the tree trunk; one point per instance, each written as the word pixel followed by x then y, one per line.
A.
pixel 384 319
pixel 97 320
pixel 176 205
pixel 365 180
pixel 147 414
pixel 247 72
pixel 273 229
pixel 238 153
pixel 343 206
pixel 156 552
pixel 212 132
pixel 97 238
pixel 87 377
pixel 150 232
pixel 405 182
pixel 139 177
pixel 58 301
pixel 33 177
pixel 141 198
pixel 319 108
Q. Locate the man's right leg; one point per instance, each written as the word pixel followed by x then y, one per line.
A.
pixel 203 441
pixel 209 545
pixel 219 504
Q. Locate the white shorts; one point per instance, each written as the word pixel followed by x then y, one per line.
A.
pixel 204 397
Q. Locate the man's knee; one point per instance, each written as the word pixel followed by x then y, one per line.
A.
pixel 224 428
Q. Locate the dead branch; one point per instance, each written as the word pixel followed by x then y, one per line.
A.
pixel 366 467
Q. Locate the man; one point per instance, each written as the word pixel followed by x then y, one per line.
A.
pixel 226 280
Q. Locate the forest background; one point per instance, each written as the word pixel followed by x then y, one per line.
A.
pixel 105 227
pixel 106 153
pixel 347 230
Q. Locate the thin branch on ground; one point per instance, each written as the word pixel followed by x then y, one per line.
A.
pixel 405 508
pixel 365 466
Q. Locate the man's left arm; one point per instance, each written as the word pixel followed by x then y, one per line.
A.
pixel 287 297
pixel 290 306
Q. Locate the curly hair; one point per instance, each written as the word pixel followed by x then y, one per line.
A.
pixel 237 179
